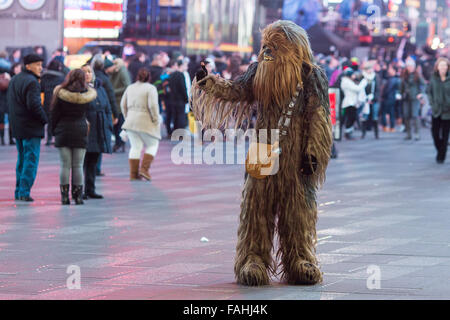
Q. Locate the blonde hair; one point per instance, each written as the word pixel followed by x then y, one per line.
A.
pixel 439 60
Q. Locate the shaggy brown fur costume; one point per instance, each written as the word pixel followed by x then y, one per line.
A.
pixel 284 202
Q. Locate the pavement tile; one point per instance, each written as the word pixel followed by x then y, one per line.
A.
pixel 381 206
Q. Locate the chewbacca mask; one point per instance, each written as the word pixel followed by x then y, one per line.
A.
pixel 284 83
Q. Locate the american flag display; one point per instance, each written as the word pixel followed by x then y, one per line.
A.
pixel 95 19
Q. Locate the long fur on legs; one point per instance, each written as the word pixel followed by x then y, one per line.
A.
pixel 254 261
pixel 297 231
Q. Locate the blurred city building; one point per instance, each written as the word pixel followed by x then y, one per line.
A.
pixel 372 27
pixel 28 23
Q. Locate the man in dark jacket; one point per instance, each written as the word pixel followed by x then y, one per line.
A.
pixel 176 99
pixel 99 65
pixel 49 80
pixel 27 118
pixel 389 98
pixel 137 63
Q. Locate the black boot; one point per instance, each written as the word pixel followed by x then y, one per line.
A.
pixel 363 128
pixel 375 128
pixel 77 194
pixel 64 194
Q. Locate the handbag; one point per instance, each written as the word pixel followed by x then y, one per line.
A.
pixel 123 135
pixel 262 158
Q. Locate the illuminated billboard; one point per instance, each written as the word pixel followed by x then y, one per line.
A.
pixel 93 19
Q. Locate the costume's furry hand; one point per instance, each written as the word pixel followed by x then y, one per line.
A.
pixel 201 74
pixel 309 166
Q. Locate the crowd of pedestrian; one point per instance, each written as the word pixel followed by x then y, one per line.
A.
pixel 143 99
pixel 95 109
pixel 401 94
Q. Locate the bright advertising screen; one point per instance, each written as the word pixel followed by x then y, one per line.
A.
pixel 96 19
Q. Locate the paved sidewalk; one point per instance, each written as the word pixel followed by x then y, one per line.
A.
pixel 385 206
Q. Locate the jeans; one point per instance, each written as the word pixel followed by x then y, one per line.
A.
pixel 138 140
pixel 388 108
pixel 28 152
pixel 374 109
pixel 90 164
pixel 411 109
pixel 71 158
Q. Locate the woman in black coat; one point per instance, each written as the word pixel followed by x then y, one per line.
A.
pixel 49 80
pixel 439 96
pixel 70 128
pixel 99 116
pixel 4 83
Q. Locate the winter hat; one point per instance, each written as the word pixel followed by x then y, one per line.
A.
pixel 348 71
pixel 108 63
pixel 217 54
pixel 31 58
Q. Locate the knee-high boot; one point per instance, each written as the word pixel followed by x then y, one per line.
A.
pixel 145 166
pixel 77 194
pixel 134 168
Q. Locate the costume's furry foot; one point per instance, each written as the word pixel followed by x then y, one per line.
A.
pixel 305 273
pixel 253 273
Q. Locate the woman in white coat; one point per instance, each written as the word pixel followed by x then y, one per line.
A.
pixel 140 108
pixel 352 92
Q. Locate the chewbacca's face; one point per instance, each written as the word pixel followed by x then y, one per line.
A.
pixel 275 47
pixel 284 48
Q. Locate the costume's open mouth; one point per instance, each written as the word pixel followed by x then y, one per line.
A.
pixel 268 57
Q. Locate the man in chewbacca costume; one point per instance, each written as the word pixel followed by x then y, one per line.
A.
pixel 290 93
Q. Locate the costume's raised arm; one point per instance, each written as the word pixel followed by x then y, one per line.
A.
pixel 215 101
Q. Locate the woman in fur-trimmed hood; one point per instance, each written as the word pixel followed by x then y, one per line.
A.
pixel 68 115
pixel 289 93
